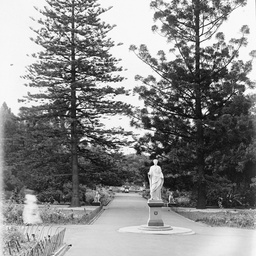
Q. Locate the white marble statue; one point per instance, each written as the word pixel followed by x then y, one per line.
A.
pixel 156 181
pixel 97 197
pixel 31 214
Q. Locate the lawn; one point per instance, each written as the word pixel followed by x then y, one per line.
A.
pixel 222 218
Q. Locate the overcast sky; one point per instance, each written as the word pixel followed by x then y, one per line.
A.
pixel 133 19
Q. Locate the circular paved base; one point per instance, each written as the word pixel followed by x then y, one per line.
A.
pixel 171 231
pixel 155 228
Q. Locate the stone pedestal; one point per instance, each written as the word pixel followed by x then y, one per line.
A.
pixel 96 203
pixel 155 213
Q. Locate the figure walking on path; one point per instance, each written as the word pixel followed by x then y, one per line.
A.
pixel 31 214
pixel 156 181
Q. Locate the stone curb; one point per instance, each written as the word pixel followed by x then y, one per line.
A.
pixel 95 214
pixel 172 231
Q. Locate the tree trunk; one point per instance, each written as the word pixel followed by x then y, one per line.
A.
pixel 75 202
pixel 201 186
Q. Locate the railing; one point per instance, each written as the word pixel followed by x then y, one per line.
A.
pixel 37 241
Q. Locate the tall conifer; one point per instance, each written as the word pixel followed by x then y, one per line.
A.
pixel 73 76
pixel 198 83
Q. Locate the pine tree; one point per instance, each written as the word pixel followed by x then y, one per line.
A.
pixel 9 128
pixel 73 77
pixel 196 87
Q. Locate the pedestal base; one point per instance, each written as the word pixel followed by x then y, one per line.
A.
pixel 144 229
pixel 155 228
pixel 155 213
pixel 96 203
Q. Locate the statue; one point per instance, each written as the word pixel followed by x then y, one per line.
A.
pixel 156 181
pixel 97 197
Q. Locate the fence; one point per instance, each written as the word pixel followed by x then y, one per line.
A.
pixel 36 241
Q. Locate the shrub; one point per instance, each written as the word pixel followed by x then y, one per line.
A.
pixel 51 215
pixel 12 234
pixel 11 238
pixel 239 219
pixel 89 196
pixel 105 196
pixel 183 201
pixel 50 196
pixel 181 198
pixel 12 213
pixel 146 194
pixel 165 194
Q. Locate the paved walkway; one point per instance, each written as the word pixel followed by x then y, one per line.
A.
pixel 103 239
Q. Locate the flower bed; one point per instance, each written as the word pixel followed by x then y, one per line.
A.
pixel 32 240
pixel 50 214
pixel 225 218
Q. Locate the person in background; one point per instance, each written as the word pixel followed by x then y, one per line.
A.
pixel 31 215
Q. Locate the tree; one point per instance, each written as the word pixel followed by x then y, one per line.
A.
pixel 9 138
pixel 133 166
pixel 193 90
pixel 71 77
pixel 101 167
pixel 32 155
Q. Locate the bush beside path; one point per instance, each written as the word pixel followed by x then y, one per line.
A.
pixel 239 218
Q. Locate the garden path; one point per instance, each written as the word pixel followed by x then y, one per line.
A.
pixel 103 239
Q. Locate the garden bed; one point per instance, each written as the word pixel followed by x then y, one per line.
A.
pixel 34 240
pixel 221 217
pixel 51 214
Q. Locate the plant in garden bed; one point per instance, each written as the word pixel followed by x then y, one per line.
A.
pixel 56 216
pixel 12 212
pixel 181 198
pixel 239 219
pixel 14 240
pixel 105 196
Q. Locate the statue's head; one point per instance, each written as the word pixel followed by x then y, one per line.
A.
pixel 155 161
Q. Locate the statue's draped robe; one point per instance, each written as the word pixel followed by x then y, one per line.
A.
pixel 156 182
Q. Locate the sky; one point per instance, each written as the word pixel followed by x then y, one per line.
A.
pixel 133 18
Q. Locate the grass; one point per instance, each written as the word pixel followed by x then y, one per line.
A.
pixel 225 218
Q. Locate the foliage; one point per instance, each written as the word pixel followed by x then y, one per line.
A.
pixel 89 196
pixel 44 166
pixel 12 212
pixel 239 219
pixel 105 196
pixel 100 167
pixel 146 194
pixel 11 142
pixel 195 107
pixel 11 238
pixel 180 198
pixel 73 80
pixel 53 215
pixel 12 234
pixel 134 167
pixel 50 195
pixel 50 214
pixel 86 195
